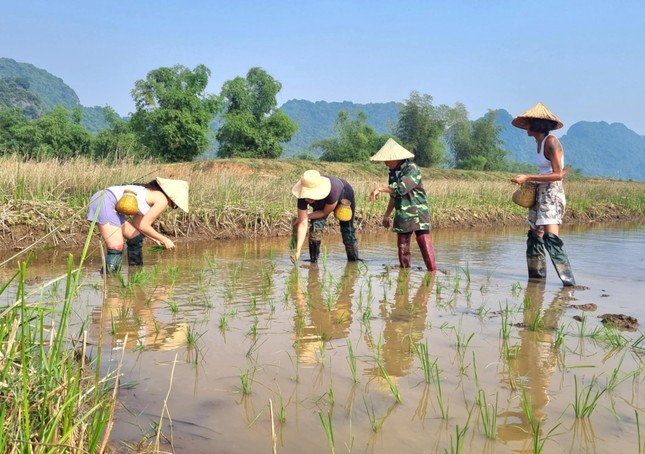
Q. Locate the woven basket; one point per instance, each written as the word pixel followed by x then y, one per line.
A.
pixel 524 196
pixel 343 211
pixel 127 204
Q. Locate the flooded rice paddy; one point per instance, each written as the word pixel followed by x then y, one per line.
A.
pixel 227 347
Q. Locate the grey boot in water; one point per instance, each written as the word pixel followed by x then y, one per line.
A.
pixel 352 252
pixel 559 258
pixel 135 250
pixel 113 261
pixel 535 256
pixel 314 250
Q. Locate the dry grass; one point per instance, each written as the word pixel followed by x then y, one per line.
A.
pixel 234 198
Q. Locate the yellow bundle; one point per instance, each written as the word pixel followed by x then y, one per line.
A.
pixel 343 211
pixel 127 204
pixel 524 196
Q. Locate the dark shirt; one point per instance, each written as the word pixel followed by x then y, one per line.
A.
pixel 335 194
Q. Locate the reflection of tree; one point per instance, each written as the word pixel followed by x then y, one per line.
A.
pixel 132 313
pixel 404 324
pixel 323 310
pixel 535 360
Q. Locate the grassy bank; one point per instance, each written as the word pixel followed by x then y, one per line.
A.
pixel 242 198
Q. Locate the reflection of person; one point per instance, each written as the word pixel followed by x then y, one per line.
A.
pixel 151 200
pixel 405 324
pixel 328 321
pixel 409 201
pixel 323 193
pixel 535 360
pixel 545 216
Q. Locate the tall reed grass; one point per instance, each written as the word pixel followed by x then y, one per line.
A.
pixel 246 197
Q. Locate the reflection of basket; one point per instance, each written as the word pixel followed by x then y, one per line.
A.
pixel 524 196
pixel 343 211
pixel 127 204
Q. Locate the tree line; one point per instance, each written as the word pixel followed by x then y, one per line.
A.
pixel 176 120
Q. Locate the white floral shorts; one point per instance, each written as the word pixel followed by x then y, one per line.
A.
pixel 549 207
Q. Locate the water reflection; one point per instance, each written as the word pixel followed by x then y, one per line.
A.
pixel 323 308
pixel 404 324
pixel 127 318
pixel 531 364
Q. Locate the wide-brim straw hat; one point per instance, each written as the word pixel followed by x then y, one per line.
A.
pixel 391 151
pixel 175 190
pixel 538 111
pixel 312 185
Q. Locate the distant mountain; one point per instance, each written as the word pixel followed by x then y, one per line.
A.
pixel 46 91
pixel 317 120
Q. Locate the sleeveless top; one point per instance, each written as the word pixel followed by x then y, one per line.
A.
pixel 140 191
pixel 544 165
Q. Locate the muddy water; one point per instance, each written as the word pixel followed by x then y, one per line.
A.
pixel 228 331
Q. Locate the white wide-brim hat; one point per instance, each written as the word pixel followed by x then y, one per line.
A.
pixel 537 112
pixel 175 190
pixel 391 151
pixel 312 185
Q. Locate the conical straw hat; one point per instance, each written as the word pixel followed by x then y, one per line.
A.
pixel 538 111
pixel 391 151
pixel 175 190
pixel 312 185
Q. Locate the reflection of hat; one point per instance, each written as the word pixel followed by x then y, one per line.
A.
pixel 538 111
pixel 175 190
pixel 391 151
pixel 312 185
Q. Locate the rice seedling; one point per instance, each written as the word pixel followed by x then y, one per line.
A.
pixel 326 421
pixel 246 379
pixel 586 400
pixel 641 446
pixel 505 330
pixel 488 413
pixel 173 306
pixel 351 360
pixel 375 423
pixel 223 322
pixel 516 289
pixel 423 354
pixel 192 335
pixel 460 436
pixel 386 376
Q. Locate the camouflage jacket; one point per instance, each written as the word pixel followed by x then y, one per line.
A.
pixel 412 211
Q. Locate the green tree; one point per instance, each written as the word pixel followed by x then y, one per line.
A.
pixel 421 126
pixel 173 112
pixel 11 120
pixel 118 141
pixel 252 125
pixel 356 140
pixel 477 145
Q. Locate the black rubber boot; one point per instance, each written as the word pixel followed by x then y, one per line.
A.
pixel 403 246
pixel 135 250
pixel 535 256
pixel 314 250
pixel 352 252
pixel 113 261
pixel 560 260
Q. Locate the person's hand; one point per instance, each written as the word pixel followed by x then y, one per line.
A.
pixel 374 195
pixel 519 179
pixel 168 244
pixel 294 257
pixel 386 222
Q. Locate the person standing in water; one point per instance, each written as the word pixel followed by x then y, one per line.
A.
pixel 325 194
pixel 545 216
pixel 145 203
pixel 409 202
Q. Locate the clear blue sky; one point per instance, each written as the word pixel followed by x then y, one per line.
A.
pixel 585 59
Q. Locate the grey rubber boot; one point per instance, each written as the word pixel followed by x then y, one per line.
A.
pixel 560 260
pixel 535 256
pixel 135 250
pixel 113 261
pixel 352 252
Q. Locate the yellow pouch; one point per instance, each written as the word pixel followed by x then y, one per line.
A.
pixel 127 204
pixel 343 211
